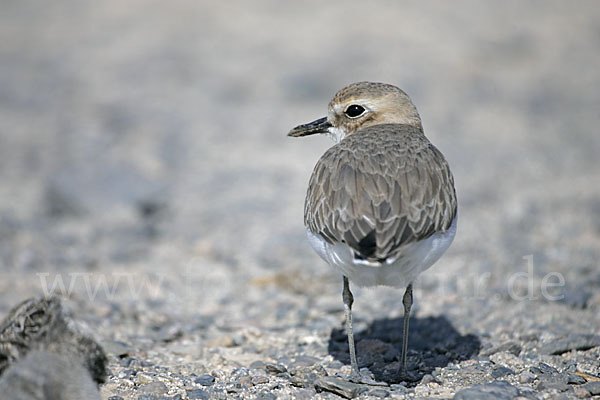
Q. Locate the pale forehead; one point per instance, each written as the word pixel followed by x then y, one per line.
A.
pixel 363 91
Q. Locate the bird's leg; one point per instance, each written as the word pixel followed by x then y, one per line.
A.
pixel 407 301
pixel 348 300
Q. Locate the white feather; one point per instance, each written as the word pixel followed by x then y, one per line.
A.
pixel 400 271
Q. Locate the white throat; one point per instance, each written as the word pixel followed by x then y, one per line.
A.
pixel 336 134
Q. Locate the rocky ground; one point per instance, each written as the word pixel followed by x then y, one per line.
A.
pixel 145 175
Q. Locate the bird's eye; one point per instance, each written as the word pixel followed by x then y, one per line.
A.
pixel 354 111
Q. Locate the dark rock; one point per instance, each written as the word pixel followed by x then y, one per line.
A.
pixel 198 394
pixel 266 396
pixel 547 369
pixel 575 379
pixel 379 393
pixel 497 390
pixel 306 377
pixel 275 368
pixel 554 378
pixel 536 371
pixel 339 386
pixel 550 384
pixel 47 375
pixel 205 380
pixel 592 387
pixel 373 346
pixel 155 387
pixel 511 347
pixel 115 398
pixel 499 372
pixel 43 323
pixel 571 342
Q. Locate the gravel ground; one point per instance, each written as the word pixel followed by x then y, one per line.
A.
pixel 145 175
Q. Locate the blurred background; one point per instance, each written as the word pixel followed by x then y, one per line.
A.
pixel 143 144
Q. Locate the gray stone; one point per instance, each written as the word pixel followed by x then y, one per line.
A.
pixel 205 380
pixel 547 369
pixel 592 387
pixel 43 375
pixel 571 342
pixel 428 378
pixel 379 393
pixel 43 323
pixel 155 387
pixel 510 346
pixel 198 394
pixel 266 396
pixel 499 372
pixel 306 377
pixel 339 386
pixel 552 385
pixel 497 390
pixel 575 379
pixel 526 377
pixel 259 380
pixel 275 368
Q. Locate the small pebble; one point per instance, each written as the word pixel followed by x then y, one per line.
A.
pixel 526 377
pixel 246 381
pixel 379 393
pixel 155 387
pixel 259 379
pixel 547 369
pixel 592 387
pixel 499 372
pixel 205 380
pixel 266 396
pixel 275 368
pixel 198 394
pixel 497 390
pixel 580 392
pixel 575 379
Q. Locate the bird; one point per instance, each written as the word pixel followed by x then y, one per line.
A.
pixel 381 205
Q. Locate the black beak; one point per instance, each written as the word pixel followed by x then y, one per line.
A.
pixel 319 126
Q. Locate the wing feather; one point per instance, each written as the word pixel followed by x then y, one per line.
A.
pixel 379 189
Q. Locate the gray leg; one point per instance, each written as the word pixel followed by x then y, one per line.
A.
pixel 407 301
pixel 348 300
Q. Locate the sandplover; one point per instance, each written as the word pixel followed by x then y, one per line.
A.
pixel 381 205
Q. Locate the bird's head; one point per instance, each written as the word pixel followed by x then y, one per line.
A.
pixel 360 105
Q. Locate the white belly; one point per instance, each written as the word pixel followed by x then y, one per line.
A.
pixel 412 259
